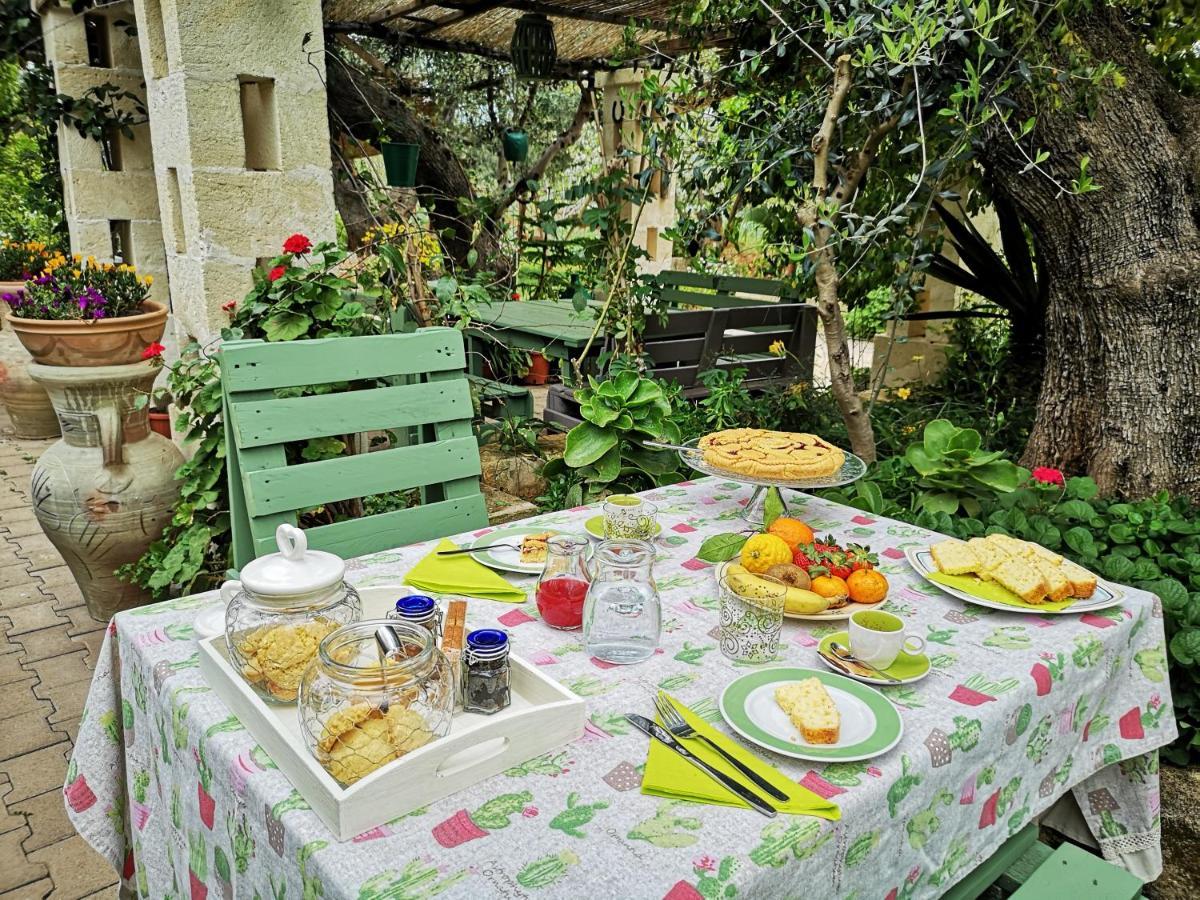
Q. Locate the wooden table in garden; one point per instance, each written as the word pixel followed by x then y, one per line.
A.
pixel 551 327
pixel 1018 711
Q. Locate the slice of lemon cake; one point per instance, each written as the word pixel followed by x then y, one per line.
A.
pixel 811 710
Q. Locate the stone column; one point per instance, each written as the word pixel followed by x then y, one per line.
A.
pixel 241 142
pixel 620 129
pixel 109 195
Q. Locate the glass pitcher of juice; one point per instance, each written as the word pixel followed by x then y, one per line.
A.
pixel 622 617
pixel 564 582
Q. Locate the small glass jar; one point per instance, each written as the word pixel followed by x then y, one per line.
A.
pixel 281 609
pixel 370 698
pixel 485 687
pixel 420 610
pixel 563 584
pixel 622 617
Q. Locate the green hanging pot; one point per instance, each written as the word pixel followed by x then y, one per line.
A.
pixel 516 144
pixel 400 163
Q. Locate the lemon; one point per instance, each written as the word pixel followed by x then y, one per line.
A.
pixel 763 551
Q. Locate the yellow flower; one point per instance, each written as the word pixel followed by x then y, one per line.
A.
pixel 149 280
pixel 76 257
pixel 777 348
pixel 917 357
pixel 903 393
pixel 92 261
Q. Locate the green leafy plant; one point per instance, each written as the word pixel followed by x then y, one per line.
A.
pixel 606 448
pixel 955 472
pixel 514 434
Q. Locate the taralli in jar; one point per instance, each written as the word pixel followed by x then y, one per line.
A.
pixel 276 657
pixel 359 739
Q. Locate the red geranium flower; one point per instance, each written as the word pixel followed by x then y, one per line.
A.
pixel 297 243
pixel 515 295
pixel 276 273
pixel 229 307
pixel 153 351
pixel 1046 475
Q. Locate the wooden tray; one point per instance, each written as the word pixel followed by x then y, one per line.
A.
pixel 543 715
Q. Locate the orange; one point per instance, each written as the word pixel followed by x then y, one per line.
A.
pixel 830 586
pixel 793 531
pixel 867 586
pixel 763 551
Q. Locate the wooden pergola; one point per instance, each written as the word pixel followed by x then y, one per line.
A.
pixel 586 31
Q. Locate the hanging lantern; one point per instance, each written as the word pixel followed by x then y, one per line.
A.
pixel 534 50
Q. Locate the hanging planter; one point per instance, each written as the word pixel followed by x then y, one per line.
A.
pixel 516 144
pixel 534 50
pixel 400 163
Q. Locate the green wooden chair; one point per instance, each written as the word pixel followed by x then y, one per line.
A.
pixel 427 401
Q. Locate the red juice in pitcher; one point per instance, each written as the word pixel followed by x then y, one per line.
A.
pixel 560 601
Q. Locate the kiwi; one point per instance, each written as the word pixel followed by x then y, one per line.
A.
pixel 790 574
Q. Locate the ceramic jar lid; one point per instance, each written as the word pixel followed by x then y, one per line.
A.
pixel 294 569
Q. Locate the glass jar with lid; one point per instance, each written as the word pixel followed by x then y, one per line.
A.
pixel 279 611
pixel 379 689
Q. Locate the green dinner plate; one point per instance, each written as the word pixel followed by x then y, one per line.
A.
pixel 908 667
pixel 595 527
pixel 871 725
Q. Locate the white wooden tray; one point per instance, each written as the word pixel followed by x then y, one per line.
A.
pixel 543 715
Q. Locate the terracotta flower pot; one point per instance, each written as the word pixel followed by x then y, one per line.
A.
pixel 84 343
pixel 160 423
pixel 10 287
pixel 25 400
pixel 539 369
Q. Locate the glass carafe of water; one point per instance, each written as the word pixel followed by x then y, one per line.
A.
pixel 622 618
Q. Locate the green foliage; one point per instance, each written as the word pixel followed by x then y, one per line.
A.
pixel 513 434
pixel 606 448
pixel 952 469
pixel 869 318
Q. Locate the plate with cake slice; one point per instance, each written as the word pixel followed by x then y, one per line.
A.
pixel 811 714
pixel 1002 572
pixel 525 548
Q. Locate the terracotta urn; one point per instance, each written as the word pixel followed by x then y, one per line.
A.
pixel 91 342
pixel 106 490
pixel 25 400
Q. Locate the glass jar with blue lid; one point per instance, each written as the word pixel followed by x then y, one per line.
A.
pixel 419 610
pixel 485 682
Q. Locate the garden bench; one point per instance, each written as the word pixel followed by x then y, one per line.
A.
pixel 692 342
pixel 498 400
pixel 425 394
pixel 721 291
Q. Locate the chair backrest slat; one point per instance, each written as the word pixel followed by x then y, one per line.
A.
pixel 430 402
pixel 277 421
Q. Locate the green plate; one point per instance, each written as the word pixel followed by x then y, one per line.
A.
pixel 510 560
pixel 871 725
pixel 907 668
pixel 595 527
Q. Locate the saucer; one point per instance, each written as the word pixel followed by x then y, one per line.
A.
pixel 907 668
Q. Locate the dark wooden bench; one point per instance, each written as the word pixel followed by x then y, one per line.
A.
pixel 691 342
pixel 721 291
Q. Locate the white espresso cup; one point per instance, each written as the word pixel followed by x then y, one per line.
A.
pixel 878 637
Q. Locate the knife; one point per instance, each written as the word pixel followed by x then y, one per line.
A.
pixel 656 731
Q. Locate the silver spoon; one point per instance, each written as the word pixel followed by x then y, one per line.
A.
pixel 843 653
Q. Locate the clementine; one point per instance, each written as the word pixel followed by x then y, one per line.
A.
pixel 830 586
pixel 867 586
pixel 793 531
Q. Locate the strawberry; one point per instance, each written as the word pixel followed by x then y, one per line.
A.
pixel 860 557
pixel 805 555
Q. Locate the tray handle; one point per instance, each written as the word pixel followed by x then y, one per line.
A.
pixel 472 756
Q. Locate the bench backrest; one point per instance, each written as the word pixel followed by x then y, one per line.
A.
pixel 423 391
pixel 720 291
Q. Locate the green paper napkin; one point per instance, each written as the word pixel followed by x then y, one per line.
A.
pixel 460 574
pixel 989 590
pixel 670 775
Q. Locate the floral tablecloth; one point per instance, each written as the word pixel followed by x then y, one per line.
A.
pixel 1018 710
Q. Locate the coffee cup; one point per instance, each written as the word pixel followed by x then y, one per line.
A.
pixel 878 637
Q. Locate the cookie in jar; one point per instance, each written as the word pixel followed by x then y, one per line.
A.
pixel 281 609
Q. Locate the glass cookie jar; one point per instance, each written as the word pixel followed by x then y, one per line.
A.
pixel 378 690
pixel 281 609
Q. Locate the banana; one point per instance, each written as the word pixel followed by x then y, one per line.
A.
pixel 797 601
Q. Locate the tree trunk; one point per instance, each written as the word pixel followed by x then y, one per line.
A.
pixel 357 102
pixel 1122 373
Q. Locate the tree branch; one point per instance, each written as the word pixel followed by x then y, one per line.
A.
pixel 568 137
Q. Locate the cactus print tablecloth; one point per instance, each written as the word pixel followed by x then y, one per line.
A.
pixel 1018 711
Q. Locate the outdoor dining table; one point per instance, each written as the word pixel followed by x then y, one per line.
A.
pixel 553 328
pixel 1018 711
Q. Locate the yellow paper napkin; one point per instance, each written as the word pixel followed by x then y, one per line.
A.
pixel 989 590
pixel 670 775
pixel 460 574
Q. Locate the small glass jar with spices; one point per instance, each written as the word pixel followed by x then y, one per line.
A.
pixel 419 610
pixel 485 686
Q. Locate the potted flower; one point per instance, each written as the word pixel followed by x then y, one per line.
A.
pixel 82 313
pixel 20 261
pixel 27 404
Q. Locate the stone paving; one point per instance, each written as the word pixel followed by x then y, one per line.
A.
pixel 48 645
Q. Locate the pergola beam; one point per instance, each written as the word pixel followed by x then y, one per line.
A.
pixel 467 10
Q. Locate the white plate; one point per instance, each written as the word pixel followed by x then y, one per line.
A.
pixel 510 560
pixel 830 615
pixel 870 723
pixel 1107 594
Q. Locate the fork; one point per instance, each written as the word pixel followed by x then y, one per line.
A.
pixel 675 724
pixel 473 549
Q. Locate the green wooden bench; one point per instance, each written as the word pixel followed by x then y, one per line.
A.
pixel 416 386
pixel 498 400
pixel 1024 868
